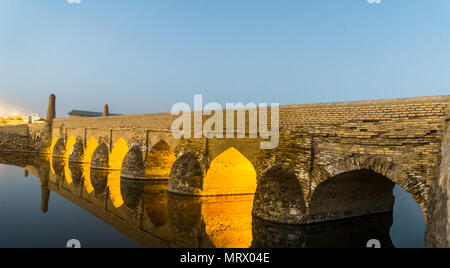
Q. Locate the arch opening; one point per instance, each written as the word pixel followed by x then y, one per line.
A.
pixel 118 153
pixel 230 173
pixel 91 145
pixel 364 193
pixel 71 141
pixel 351 194
pixel 159 162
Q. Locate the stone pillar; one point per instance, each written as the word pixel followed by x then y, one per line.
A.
pixel 30 120
pixel 106 110
pixel 45 197
pixel 133 165
pixel 51 110
pixel 438 222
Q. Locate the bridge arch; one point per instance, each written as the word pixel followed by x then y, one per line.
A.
pixel 118 153
pixel 160 160
pixel 91 145
pixel 230 173
pixel 279 197
pixel 375 165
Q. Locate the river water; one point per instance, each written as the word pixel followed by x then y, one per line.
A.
pixel 46 205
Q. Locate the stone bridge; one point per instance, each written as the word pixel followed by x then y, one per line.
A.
pixel 334 160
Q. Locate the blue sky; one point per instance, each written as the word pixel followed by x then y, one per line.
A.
pixel 143 56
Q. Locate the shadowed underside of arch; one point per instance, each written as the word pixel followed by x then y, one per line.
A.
pixel 160 160
pixel 378 165
pixel 351 194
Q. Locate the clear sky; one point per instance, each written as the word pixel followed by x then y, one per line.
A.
pixel 143 56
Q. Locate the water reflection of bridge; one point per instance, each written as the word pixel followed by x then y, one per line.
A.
pixel 145 212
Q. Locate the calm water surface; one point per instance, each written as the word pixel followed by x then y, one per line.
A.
pixel 45 205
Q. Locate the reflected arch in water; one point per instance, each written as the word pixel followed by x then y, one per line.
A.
pixel 118 153
pixel 132 192
pixel 185 221
pixel 155 203
pixel 76 172
pixel 213 221
pixel 350 233
pixel 99 180
pixel 160 160
pixel 228 220
pixel 230 173
pixel 57 166
pixel 186 176
pixel 279 197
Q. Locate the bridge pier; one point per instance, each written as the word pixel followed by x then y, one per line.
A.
pixel 438 228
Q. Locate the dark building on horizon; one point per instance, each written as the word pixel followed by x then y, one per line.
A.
pixel 79 113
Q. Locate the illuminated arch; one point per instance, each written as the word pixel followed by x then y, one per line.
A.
pixel 118 153
pixel 230 173
pixel 91 145
pixel 71 141
pixel 52 146
pixel 160 160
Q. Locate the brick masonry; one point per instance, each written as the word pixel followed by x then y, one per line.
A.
pixel 405 140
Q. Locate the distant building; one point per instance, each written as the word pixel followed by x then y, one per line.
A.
pixel 35 117
pixel 78 113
